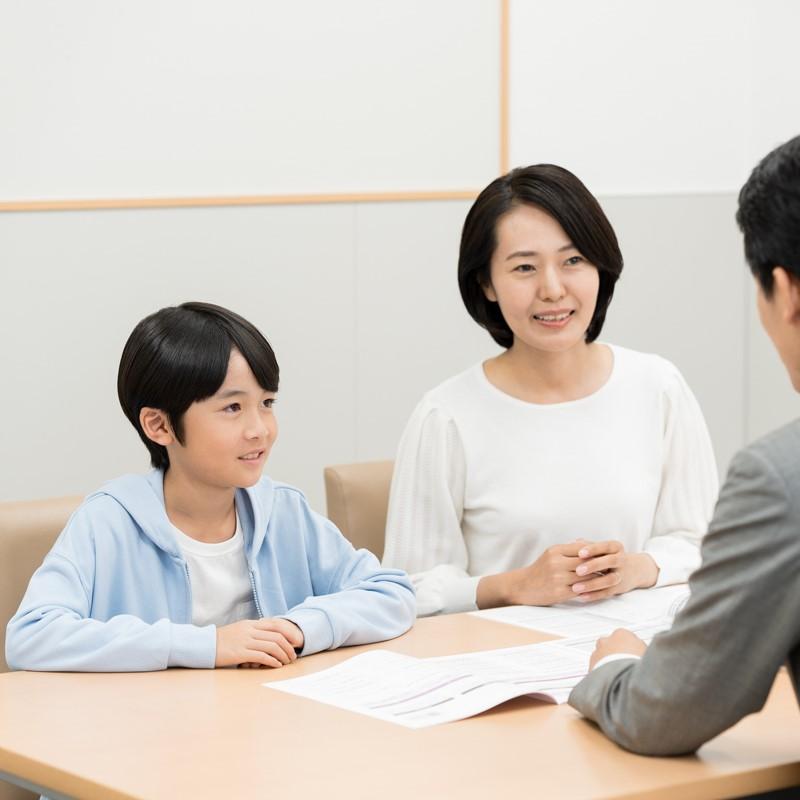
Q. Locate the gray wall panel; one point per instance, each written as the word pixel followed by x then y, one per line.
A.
pixel 413 330
pixel 681 295
pixel 362 306
pixel 76 283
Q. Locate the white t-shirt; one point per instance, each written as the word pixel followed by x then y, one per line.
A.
pixel 485 483
pixel 221 588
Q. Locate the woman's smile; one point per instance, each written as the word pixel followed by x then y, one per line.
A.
pixel 558 318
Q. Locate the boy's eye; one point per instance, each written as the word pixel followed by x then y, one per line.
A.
pixel 269 402
pixel 232 408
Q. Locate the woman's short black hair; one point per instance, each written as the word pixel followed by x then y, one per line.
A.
pixel 559 193
pixel 769 214
pixel 180 355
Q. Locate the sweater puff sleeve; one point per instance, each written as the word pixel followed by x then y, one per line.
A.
pixel 689 485
pixel 423 529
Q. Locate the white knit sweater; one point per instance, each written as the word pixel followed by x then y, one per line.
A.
pixel 484 482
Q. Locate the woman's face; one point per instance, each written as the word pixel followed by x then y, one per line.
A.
pixel 546 290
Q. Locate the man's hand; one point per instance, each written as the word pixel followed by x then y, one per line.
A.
pixel 606 570
pixel 260 642
pixel 621 641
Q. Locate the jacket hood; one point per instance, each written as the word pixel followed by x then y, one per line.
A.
pixel 142 496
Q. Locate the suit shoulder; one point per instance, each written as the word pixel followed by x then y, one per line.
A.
pixel 776 452
pixel 762 488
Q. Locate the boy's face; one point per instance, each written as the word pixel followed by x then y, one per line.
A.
pixel 228 436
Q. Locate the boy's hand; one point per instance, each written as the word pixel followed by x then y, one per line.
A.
pixel 262 642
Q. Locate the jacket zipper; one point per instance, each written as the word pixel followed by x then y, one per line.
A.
pixel 255 595
pixel 188 589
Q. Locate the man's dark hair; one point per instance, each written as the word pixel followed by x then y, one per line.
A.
pixel 769 214
pixel 180 355
pixel 559 193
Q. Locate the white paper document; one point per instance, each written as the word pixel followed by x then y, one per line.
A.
pixel 650 610
pixel 419 692
pixel 644 630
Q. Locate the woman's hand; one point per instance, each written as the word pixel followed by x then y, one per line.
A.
pixel 548 580
pixel 606 570
pixel 580 570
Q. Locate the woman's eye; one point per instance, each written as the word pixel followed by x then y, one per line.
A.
pixel 524 268
pixel 571 262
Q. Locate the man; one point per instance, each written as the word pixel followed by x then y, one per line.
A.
pixel 718 662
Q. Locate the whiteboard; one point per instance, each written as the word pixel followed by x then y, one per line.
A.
pixel 104 98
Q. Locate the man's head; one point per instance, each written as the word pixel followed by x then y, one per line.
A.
pixel 183 355
pixel 769 216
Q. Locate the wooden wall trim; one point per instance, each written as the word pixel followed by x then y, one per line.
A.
pixel 246 200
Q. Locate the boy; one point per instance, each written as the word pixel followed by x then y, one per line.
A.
pixel 719 660
pixel 203 562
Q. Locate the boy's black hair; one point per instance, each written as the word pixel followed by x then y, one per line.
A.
pixel 558 192
pixel 180 355
pixel 769 214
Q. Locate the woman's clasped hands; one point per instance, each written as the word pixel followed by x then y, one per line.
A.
pixel 607 569
pixel 582 570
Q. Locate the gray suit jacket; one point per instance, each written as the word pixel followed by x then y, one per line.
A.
pixel 718 662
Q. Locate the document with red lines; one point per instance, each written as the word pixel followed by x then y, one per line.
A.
pixel 419 692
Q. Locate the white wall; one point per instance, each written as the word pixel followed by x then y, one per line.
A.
pixel 773 108
pixel 636 97
pixel 661 108
pixel 652 97
pixel 104 98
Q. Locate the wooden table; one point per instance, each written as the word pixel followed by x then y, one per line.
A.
pixel 219 734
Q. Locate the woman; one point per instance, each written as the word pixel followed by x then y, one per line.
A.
pixel 564 467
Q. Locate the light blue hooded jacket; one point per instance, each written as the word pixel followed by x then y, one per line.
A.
pixel 114 594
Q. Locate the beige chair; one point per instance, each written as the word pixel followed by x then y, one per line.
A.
pixel 357 498
pixel 27 531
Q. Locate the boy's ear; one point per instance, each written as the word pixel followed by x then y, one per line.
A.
pixel 787 289
pixel 156 426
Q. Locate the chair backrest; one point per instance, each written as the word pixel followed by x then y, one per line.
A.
pixel 27 531
pixel 358 498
